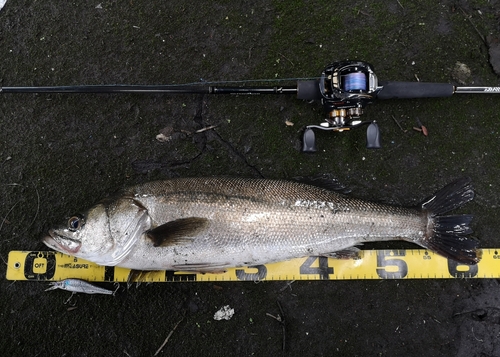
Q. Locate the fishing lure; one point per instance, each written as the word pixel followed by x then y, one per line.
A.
pixel 79 286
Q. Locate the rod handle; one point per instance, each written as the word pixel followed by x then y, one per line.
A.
pixel 308 90
pixel 401 90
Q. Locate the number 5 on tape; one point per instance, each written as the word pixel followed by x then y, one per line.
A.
pixel 391 264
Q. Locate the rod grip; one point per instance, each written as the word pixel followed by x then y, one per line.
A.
pixel 308 90
pixel 401 90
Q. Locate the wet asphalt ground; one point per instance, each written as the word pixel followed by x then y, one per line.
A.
pixel 61 153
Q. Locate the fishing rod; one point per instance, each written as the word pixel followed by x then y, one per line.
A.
pixel 344 89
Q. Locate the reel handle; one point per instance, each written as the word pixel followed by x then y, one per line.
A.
pixel 373 136
pixel 309 141
pixel 401 90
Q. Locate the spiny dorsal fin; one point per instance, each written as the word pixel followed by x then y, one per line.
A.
pixel 179 231
pixel 325 181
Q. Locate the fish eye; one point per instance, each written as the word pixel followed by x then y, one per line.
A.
pixel 76 222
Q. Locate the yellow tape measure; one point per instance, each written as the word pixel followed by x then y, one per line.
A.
pixel 373 264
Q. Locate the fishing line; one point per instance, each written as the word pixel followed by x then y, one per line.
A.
pixel 5 219
pixel 268 80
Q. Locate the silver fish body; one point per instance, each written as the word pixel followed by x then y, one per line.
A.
pixel 209 224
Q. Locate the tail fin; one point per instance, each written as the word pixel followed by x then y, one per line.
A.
pixel 449 233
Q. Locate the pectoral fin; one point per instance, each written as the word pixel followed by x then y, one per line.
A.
pixel 180 231
pixel 138 276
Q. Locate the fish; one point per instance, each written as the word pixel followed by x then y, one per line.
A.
pixel 209 224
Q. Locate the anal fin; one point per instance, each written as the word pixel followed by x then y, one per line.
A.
pixel 348 253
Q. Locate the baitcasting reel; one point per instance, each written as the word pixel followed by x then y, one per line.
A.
pixel 345 89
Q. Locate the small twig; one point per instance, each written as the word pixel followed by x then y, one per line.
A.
pixel 188 133
pixel 282 55
pixel 477 339
pixel 288 285
pixel 6 159
pixel 400 4
pixel 168 337
pixel 4 261
pixel 282 326
pixel 205 129
pixel 463 313
pixel 277 318
pixel 468 17
pixel 400 127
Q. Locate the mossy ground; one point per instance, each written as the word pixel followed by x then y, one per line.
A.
pixel 61 153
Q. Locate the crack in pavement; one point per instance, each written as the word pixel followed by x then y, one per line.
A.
pixel 237 154
pixel 200 140
pixel 198 118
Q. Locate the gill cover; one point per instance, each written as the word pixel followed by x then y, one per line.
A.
pixel 105 234
pixel 128 219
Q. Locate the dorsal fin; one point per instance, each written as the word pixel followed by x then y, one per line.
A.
pixel 180 231
pixel 325 181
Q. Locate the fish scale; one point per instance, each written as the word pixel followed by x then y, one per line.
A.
pixel 209 224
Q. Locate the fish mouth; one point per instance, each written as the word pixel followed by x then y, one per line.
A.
pixel 61 243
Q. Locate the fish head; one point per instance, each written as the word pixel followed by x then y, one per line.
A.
pixel 83 235
pixel 105 234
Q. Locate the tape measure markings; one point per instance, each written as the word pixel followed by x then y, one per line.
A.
pixel 373 264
